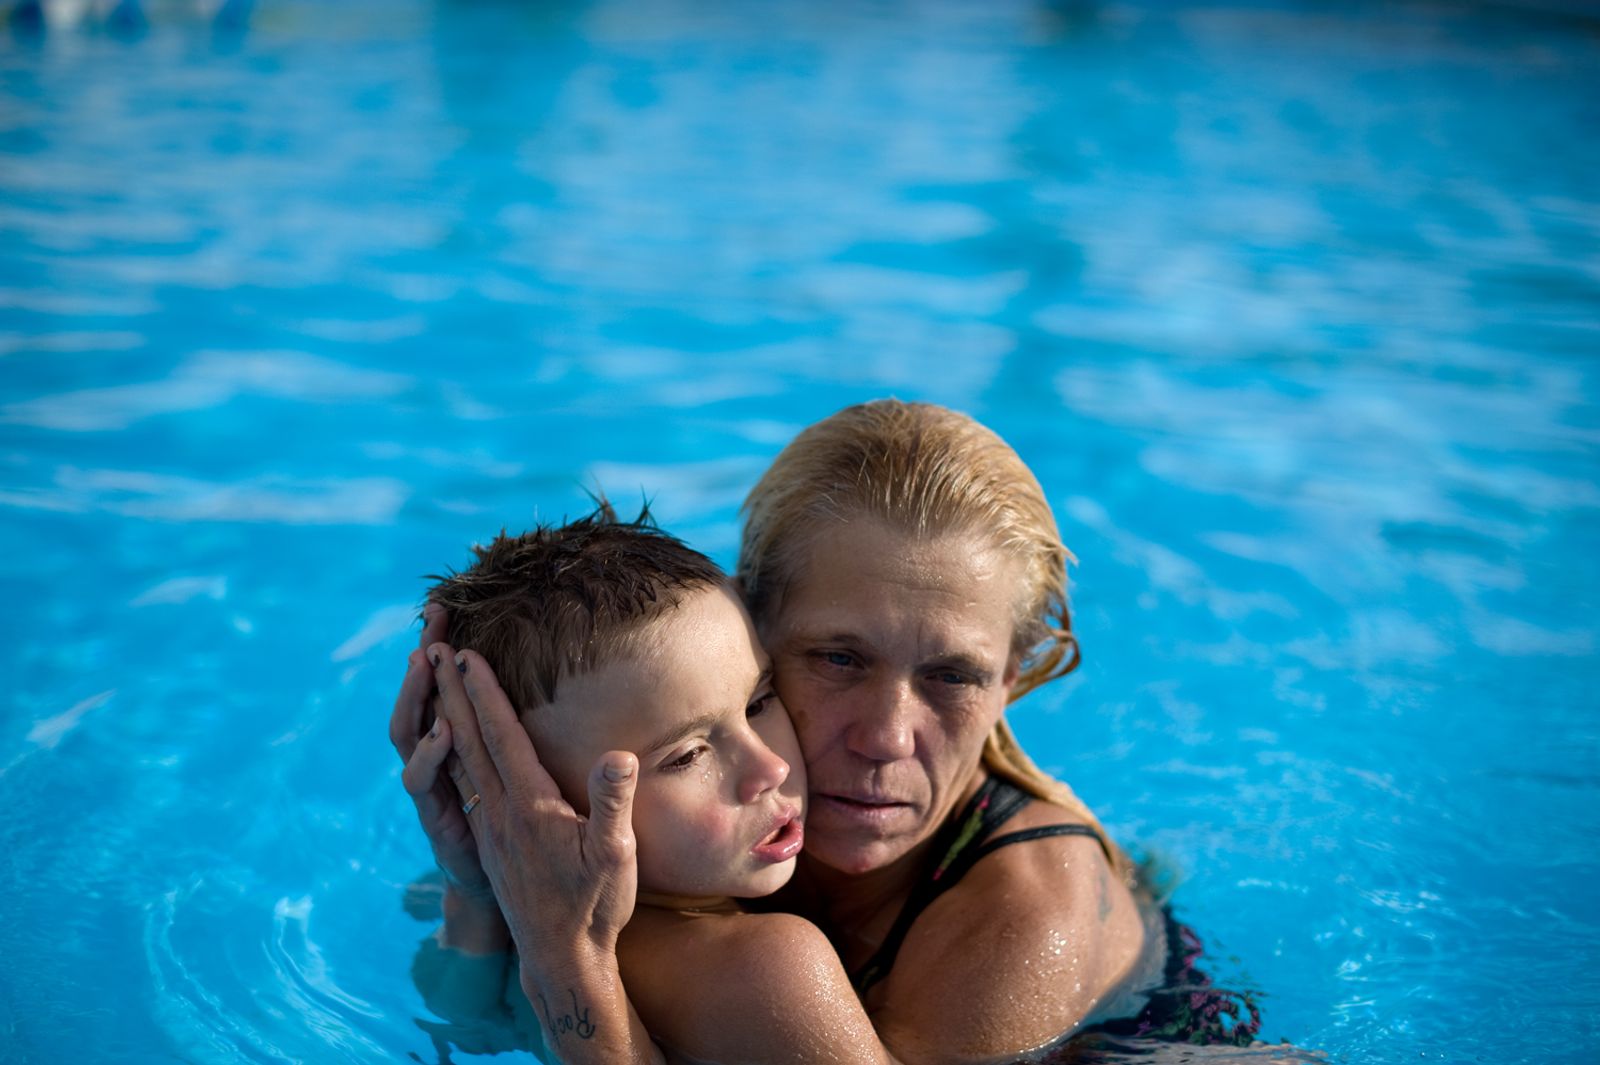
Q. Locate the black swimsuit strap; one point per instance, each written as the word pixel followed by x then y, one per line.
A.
pixel 1026 834
pixel 946 847
pixel 957 848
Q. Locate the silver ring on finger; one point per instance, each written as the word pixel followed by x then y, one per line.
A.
pixel 472 803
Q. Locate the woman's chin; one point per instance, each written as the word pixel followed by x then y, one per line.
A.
pixel 853 857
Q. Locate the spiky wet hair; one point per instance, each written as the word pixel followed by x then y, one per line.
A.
pixel 562 601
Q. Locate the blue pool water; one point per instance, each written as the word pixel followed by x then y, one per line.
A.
pixel 1294 310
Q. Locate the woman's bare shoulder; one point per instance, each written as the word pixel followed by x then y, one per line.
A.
pixel 1024 947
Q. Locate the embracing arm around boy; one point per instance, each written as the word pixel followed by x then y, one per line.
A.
pixel 756 988
pixel 1035 941
pixel 576 988
pixel 1015 957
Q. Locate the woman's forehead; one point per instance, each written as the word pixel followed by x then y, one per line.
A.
pixel 872 549
pixel 951 594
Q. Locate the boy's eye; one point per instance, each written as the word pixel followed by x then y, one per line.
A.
pixel 759 704
pixel 684 760
pixel 950 676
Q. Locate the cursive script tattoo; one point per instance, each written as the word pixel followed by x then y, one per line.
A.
pixel 574 1023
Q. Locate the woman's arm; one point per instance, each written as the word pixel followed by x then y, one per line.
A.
pixel 565 883
pixel 1027 947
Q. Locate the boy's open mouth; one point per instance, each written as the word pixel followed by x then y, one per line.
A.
pixel 783 842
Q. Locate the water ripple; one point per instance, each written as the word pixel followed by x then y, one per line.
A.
pixel 206 381
pixel 164 497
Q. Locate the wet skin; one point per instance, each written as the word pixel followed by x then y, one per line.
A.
pixel 719 769
pixel 894 658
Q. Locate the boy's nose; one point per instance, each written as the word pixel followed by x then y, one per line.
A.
pixel 764 771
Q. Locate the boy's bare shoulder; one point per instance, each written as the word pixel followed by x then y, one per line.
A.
pixel 723 987
pixel 747 952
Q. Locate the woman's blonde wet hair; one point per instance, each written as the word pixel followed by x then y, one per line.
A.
pixel 929 471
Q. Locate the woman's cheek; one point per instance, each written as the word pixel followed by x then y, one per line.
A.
pixel 809 702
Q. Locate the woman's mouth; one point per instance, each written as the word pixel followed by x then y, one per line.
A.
pixel 783 842
pixel 860 810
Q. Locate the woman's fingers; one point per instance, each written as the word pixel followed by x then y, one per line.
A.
pixel 435 626
pixel 422 778
pixel 610 829
pixel 455 847
pixel 480 777
pixel 422 770
pixel 503 735
pixel 410 706
pixel 429 789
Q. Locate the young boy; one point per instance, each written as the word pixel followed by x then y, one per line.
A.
pixel 609 636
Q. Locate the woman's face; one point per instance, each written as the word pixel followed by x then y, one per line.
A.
pixel 893 656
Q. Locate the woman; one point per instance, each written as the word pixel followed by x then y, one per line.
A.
pixel 907 577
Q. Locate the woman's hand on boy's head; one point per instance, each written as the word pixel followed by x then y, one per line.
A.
pixel 431 790
pixel 560 877
pixel 435 626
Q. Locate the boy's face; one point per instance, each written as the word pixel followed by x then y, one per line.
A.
pixel 722 789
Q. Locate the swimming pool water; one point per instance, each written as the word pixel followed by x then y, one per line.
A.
pixel 1293 309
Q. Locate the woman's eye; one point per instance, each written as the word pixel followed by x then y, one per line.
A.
pixel 950 676
pixel 842 659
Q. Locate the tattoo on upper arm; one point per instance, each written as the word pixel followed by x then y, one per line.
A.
pixel 574 1023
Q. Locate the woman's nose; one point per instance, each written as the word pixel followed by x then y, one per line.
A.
pixel 882 729
pixel 764 771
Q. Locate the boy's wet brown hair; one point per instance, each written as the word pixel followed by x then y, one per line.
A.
pixel 562 601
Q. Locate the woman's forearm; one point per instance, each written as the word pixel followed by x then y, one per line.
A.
pixel 584 1009
pixel 555 872
pixel 473 926
pixel 460 969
